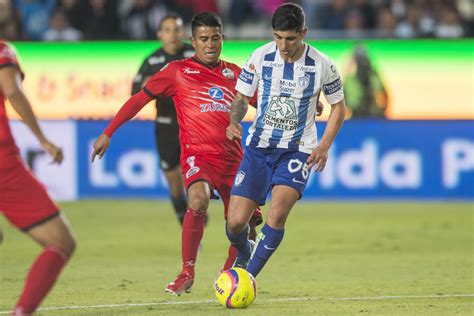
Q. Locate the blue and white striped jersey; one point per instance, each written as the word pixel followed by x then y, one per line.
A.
pixel 287 96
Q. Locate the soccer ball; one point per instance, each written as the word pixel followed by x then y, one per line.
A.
pixel 235 288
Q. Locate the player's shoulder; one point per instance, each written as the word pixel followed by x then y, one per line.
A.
pixel 265 50
pixel 157 57
pixel 318 56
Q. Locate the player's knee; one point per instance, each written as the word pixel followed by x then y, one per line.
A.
pixel 235 224
pixel 199 203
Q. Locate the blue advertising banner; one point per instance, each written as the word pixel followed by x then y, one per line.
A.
pixel 128 169
pixel 371 159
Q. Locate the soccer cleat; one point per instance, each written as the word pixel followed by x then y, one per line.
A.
pixel 240 263
pixel 183 283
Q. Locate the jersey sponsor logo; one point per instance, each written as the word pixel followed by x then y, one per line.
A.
pixel 246 76
pixel 214 107
pixel 303 82
pixel 333 69
pixel 239 178
pixel 216 93
pixel 307 68
pixel 156 60
pixel 190 71
pixel 281 114
pixel 192 168
pixel 272 64
pixel 332 87
pixel 228 73
pixel 287 86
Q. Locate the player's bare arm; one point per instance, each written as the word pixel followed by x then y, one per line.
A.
pixel 10 82
pixel 237 113
pixel 319 155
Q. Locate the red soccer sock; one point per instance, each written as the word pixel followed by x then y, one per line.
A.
pixel 43 273
pixel 193 229
pixel 230 257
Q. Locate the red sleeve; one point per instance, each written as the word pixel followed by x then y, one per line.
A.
pixel 128 111
pixel 162 82
pixel 8 56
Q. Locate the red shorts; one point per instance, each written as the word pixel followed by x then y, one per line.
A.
pixel 220 176
pixel 23 200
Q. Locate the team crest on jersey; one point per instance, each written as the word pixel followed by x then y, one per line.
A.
pixel 281 114
pixel 192 168
pixel 239 178
pixel 303 82
pixel 228 73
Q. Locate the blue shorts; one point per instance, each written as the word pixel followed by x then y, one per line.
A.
pixel 263 168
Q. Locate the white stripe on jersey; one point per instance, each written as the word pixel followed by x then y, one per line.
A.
pixel 287 96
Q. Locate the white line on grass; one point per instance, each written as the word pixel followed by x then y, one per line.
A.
pixel 283 299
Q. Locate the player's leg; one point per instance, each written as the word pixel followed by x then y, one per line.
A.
pixel 281 203
pixel 289 180
pixel 199 194
pixel 58 244
pixel 37 216
pixel 250 190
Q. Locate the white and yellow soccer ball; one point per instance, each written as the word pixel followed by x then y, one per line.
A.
pixel 235 288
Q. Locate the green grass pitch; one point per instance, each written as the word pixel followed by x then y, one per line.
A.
pixel 349 258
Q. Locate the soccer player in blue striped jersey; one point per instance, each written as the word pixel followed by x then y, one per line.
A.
pixel 282 146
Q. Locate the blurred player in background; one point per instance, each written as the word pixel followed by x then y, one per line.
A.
pixel 171 34
pixel 202 88
pixel 282 143
pixel 364 90
pixel 23 200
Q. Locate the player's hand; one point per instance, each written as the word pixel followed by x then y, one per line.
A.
pixel 54 151
pixel 318 157
pixel 100 146
pixel 319 108
pixel 234 131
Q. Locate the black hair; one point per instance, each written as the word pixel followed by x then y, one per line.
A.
pixel 167 17
pixel 206 19
pixel 288 17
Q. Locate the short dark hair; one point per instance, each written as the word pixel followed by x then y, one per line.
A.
pixel 288 16
pixel 206 19
pixel 167 17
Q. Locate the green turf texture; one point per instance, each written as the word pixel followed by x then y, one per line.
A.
pixel 129 250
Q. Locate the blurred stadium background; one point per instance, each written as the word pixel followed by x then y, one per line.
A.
pixel 419 150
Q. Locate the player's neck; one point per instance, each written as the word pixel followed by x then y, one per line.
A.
pixel 172 50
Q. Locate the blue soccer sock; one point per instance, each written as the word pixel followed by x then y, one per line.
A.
pixel 268 241
pixel 241 242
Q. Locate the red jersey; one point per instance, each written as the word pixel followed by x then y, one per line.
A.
pixel 202 95
pixel 7 145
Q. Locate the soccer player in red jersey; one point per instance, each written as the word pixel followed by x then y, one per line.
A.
pixel 23 200
pixel 202 88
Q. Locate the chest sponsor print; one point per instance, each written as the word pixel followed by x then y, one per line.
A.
pixel 281 114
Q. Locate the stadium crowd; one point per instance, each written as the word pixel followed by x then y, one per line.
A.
pixel 71 20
